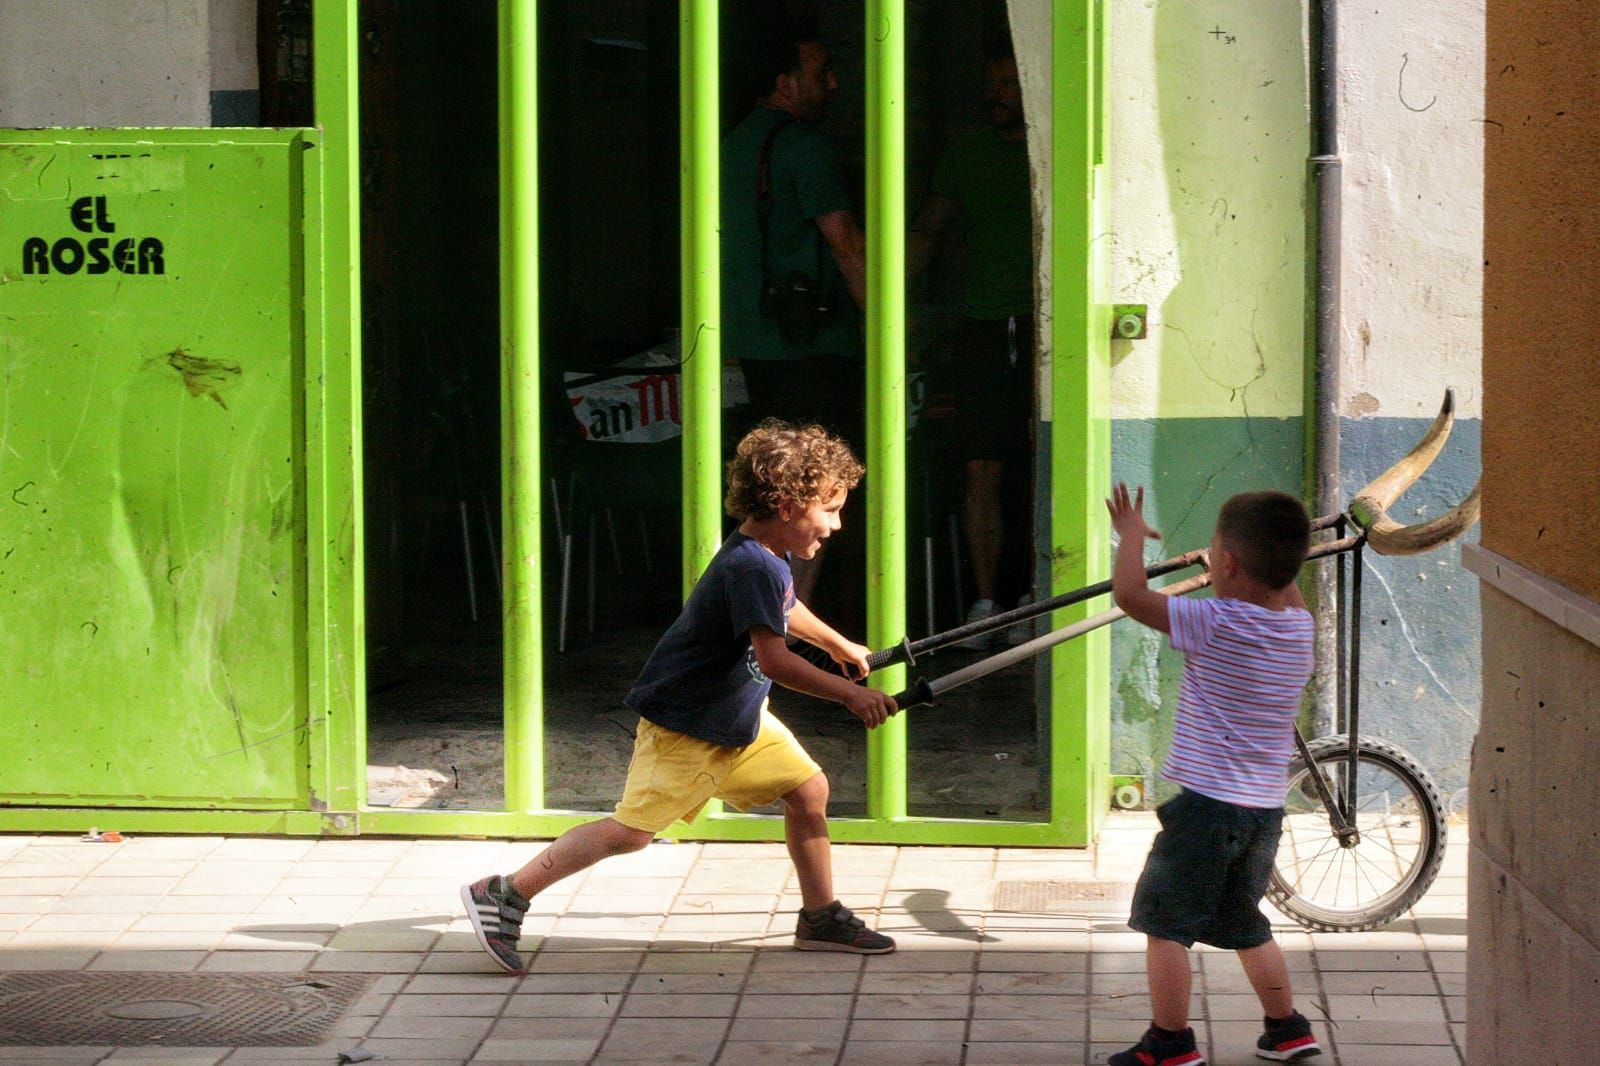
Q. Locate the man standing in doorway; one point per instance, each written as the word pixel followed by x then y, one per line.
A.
pixel 793 256
pixel 983 180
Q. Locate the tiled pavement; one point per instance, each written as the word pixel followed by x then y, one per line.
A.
pixel 680 953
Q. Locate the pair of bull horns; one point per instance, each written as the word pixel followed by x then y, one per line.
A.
pixel 1369 509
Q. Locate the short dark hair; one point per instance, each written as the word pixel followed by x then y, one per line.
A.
pixel 1269 532
pixel 780 53
pixel 780 462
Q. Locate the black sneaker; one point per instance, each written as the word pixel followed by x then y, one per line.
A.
pixel 1288 1040
pixel 836 928
pixel 496 912
pixel 1155 1050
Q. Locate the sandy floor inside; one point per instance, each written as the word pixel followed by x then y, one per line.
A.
pixel 434 733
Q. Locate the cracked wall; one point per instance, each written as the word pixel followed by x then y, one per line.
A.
pixel 1208 147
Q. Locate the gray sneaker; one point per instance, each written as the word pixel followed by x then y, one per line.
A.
pixel 1021 632
pixel 496 911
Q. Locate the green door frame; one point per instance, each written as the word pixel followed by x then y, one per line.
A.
pixel 1079 450
pixel 1079 453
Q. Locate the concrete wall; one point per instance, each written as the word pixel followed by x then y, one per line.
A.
pixel 235 77
pixel 1533 901
pixel 105 63
pixel 1208 140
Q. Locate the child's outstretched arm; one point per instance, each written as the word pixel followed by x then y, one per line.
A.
pixel 1129 585
pixel 786 668
pixel 813 630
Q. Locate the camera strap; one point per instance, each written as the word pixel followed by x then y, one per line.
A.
pixel 764 194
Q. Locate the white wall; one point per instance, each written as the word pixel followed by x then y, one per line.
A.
pixel 233 44
pixel 1412 103
pixel 1208 144
pixel 104 63
pixel 1208 148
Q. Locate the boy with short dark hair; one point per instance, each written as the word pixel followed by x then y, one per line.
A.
pixel 1247 658
pixel 704 729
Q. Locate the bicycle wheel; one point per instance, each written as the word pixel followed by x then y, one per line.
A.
pixel 1333 886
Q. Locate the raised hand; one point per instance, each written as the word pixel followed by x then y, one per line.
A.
pixel 1127 515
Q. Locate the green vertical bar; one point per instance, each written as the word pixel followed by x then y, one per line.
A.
pixel 519 402
pixel 336 624
pixel 886 386
pixel 701 333
pixel 1080 745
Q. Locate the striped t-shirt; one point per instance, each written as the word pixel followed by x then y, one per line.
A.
pixel 1244 669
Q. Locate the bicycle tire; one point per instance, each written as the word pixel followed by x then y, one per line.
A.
pixel 1402 821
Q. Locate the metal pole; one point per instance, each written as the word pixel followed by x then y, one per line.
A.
pixel 701 335
pixel 886 385
pixel 519 404
pixel 1353 714
pixel 1325 177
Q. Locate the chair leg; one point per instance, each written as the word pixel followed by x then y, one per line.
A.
pixel 494 545
pixel 555 505
pixel 955 567
pixel 616 548
pixel 566 588
pixel 592 522
pixel 466 546
pixel 644 542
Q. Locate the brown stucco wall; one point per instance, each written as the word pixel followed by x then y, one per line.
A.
pixel 1541 279
pixel 1533 958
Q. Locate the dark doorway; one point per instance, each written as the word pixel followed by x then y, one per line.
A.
pixel 609 308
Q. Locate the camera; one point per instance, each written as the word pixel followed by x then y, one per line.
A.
pixel 797 304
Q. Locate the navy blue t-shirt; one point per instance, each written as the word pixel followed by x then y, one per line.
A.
pixel 702 679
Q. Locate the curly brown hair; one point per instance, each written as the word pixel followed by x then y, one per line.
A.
pixel 780 462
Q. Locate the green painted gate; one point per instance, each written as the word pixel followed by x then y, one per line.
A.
pixel 182 571
pixel 154 357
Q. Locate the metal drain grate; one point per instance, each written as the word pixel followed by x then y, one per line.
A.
pixel 173 1009
pixel 1045 897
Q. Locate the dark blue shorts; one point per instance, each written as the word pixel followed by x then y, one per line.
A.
pixel 1207 872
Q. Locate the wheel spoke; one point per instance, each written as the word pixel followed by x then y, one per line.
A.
pixel 1326 884
pixel 1355 862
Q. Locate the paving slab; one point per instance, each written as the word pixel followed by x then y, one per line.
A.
pixel 681 953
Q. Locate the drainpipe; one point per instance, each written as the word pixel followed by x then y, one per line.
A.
pixel 1322 389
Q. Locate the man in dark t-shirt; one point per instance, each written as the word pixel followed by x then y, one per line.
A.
pixel 983 180
pixel 799 198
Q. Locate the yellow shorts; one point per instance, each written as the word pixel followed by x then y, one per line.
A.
pixel 672 776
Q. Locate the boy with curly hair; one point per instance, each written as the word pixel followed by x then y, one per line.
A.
pixel 705 731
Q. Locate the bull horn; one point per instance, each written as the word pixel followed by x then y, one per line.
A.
pixel 1369 509
pixel 1389 537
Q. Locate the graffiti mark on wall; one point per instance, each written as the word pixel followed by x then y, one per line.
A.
pixel 204 377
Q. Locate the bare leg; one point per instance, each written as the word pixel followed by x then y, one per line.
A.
pixel 577 849
pixel 805 831
pixel 1167 964
pixel 1269 976
pixel 984 527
